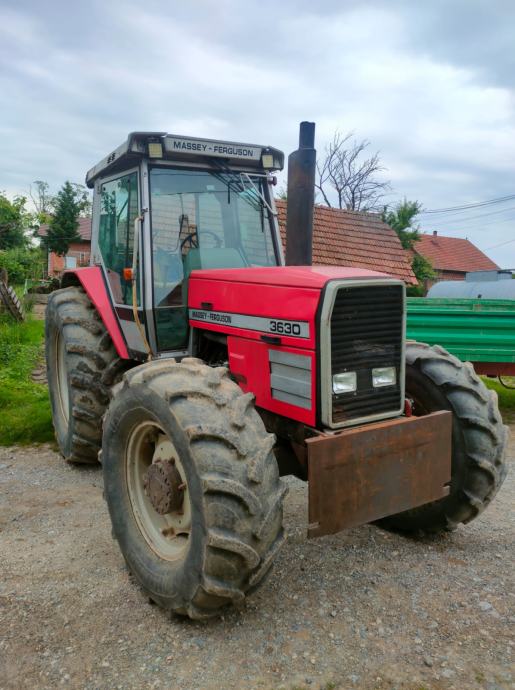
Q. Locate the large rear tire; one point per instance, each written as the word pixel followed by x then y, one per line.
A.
pixel 435 380
pixel 82 366
pixel 192 486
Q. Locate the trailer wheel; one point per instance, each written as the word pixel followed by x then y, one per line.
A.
pixel 436 380
pixel 82 366
pixel 192 486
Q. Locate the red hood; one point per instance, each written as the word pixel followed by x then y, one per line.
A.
pixel 287 276
pixel 265 309
pixel 290 293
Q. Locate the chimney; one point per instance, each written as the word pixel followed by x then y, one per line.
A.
pixel 301 198
pixel 435 233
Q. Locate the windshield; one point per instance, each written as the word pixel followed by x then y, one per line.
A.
pixel 205 219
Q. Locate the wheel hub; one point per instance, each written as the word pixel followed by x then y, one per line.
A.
pixel 164 487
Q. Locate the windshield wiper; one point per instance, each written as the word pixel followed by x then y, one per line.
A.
pixel 256 191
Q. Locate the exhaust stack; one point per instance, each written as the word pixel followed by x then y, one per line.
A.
pixel 301 198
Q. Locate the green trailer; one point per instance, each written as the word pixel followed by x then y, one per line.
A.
pixel 480 331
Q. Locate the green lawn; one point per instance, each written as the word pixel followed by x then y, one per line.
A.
pixel 25 415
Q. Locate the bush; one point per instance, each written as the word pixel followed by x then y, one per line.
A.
pixel 23 264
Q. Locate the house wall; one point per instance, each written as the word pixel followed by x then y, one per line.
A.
pixel 451 275
pixel 78 251
pixel 444 275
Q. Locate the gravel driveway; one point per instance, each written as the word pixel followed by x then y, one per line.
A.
pixel 362 609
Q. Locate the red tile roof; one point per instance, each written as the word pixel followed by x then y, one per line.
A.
pixel 453 254
pixel 349 238
pixel 84 229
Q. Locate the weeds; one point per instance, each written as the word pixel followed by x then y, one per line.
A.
pixel 25 415
pixel 506 396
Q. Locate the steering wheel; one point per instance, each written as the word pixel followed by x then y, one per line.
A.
pixel 192 240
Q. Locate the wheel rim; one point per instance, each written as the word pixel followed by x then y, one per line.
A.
pixel 148 449
pixel 62 376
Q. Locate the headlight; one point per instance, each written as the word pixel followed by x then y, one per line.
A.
pixel 384 376
pixel 344 383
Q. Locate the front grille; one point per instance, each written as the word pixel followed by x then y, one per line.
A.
pixel 367 332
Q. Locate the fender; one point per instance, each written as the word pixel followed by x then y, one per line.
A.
pixel 92 280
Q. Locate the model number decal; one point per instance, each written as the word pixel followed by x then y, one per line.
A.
pixel 295 329
pixel 285 327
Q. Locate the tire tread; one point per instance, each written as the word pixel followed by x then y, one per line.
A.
pixel 231 448
pixel 476 412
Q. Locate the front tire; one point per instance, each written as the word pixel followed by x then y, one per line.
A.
pixel 196 553
pixel 436 380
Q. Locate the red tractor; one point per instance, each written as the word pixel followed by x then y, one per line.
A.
pixel 199 366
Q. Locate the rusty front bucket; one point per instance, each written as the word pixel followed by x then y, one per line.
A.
pixel 369 472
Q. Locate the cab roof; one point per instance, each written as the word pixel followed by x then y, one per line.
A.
pixel 163 146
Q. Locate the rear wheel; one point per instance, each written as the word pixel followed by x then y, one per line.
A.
pixel 435 380
pixel 192 486
pixel 82 366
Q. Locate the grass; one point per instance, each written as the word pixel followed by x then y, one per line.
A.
pixel 25 415
pixel 506 396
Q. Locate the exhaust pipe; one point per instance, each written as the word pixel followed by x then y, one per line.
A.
pixel 301 198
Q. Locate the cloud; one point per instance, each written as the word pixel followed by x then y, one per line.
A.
pixel 430 85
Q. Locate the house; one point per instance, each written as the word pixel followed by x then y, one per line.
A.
pixel 352 238
pixel 340 238
pixel 78 252
pixel 452 257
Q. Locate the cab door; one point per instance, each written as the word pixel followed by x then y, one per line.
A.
pixel 117 206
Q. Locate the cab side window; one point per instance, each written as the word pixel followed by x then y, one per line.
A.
pixel 119 208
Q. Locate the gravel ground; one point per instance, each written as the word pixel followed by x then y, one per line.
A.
pixel 362 609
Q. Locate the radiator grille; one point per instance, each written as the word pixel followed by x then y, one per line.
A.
pixel 367 332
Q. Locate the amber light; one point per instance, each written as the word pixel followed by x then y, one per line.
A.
pixel 127 274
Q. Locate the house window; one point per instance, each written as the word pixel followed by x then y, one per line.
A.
pixel 70 262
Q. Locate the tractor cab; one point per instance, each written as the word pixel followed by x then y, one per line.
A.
pixel 191 204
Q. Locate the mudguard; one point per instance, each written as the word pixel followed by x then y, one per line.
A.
pixel 92 280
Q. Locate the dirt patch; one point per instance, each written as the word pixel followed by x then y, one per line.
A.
pixel 362 609
pixel 38 311
pixel 38 374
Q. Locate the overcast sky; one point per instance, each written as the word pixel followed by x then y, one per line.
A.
pixel 431 85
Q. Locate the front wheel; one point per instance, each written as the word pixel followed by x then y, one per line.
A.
pixel 436 380
pixel 192 486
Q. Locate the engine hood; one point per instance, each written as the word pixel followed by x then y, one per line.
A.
pixel 287 276
pixel 255 302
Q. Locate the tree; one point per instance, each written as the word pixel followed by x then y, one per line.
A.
pixel 355 179
pixel 402 220
pixel 14 219
pixel 63 228
pixel 84 199
pixel 43 201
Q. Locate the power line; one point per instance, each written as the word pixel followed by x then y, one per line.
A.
pixel 460 228
pixel 465 207
pixel 481 215
pixel 494 246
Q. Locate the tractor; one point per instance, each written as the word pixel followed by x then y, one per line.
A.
pixel 198 365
